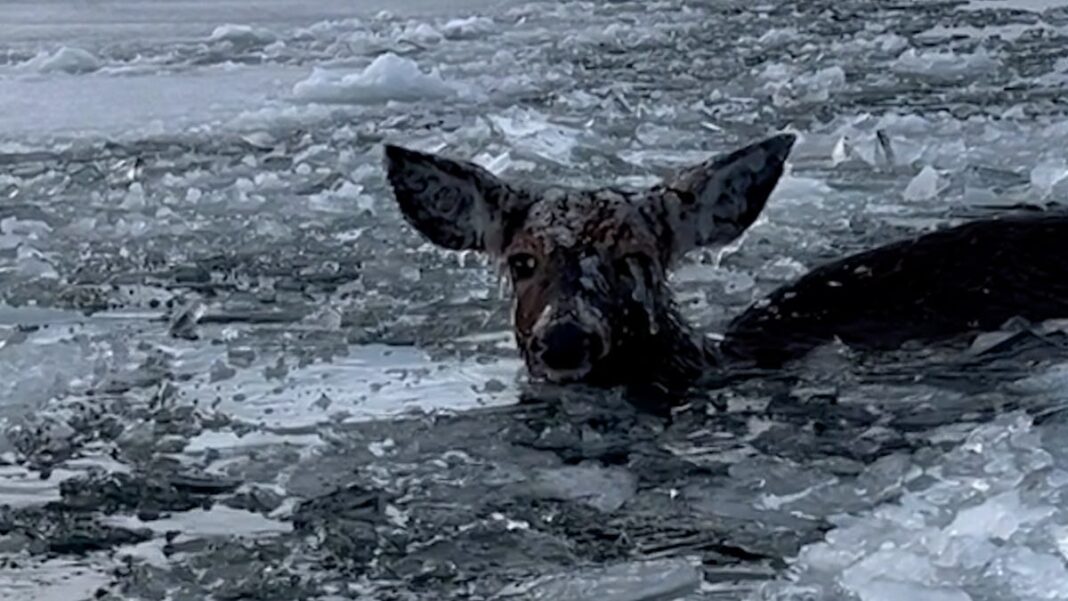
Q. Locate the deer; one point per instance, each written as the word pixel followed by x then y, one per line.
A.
pixel 589 269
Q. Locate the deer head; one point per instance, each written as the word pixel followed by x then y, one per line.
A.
pixel 589 267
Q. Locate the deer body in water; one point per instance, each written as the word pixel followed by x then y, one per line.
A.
pixel 589 269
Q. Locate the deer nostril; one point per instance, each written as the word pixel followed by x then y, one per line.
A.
pixel 568 346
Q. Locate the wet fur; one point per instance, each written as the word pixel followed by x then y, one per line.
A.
pixel 603 255
pixel 954 281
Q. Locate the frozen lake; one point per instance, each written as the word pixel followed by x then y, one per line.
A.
pixel 228 370
pixel 99 21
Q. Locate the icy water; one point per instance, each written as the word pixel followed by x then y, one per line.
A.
pixel 229 371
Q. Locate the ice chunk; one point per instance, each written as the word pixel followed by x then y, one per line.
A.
pixel 943 65
pixel 29 228
pixel 242 35
pixel 807 87
pixel 823 81
pixel 219 520
pixel 1007 31
pixel 1031 575
pixel 889 142
pixel 606 489
pixel 777 36
pixel 54 579
pixel 880 589
pixel 638 581
pixel 65 60
pixel 31 262
pixel 422 34
pixel 841 152
pixel 796 189
pixel 891 42
pixel 1046 174
pixel 464 29
pixel 389 77
pixel 135 197
pixel 983 519
pixel 529 130
pixel 998 518
pixel 1027 5
pixel 925 186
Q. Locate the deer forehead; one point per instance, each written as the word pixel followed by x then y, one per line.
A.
pixel 602 219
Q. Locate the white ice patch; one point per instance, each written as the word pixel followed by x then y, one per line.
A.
pixel 633 581
pixel 242 35
pixel 371 382
pixel 1047 174
pixel 779 36
pixel 46 363
pixel 892 141
pixel 217 521
pixel 795 189
pixel 885 43
pixel 530 131
pixel 1036 6
pixel 421 33
pixel 465 29
pixel 54 580
pixel 925 186
pixel 1008 31
pixel 788 88
pixel 936 64
pixel 72 61
pixel 988 521
pixel 122 108
pixel 388 77
pixel 20 487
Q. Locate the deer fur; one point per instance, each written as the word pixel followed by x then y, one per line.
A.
pixel 589 269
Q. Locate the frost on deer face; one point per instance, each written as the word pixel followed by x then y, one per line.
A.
pixel 589 267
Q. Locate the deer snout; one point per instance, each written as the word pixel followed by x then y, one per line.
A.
pixel 569 347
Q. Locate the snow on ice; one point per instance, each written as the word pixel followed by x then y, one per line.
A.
pixel 388 77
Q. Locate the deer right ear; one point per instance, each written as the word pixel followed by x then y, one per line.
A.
pixel 454 204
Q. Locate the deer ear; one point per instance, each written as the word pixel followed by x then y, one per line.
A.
pixel 454 204
pixel 714 202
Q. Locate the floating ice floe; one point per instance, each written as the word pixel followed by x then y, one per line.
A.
pixel 943 65
pixel 633 581
pixel 242 35
pixel 925 186
pixel 895 140
pixel 55 579
pixel 389 77
pixel 530 131
pixel 463 29
pixel 1007 31
pixel 216 521
pixel 988 521
pixel 72 61
pixel 788 88
pixel 795 189
pixel 422 33
pixel 1036 6
pixel 884 43
pixel 778 36
pixel 1047 174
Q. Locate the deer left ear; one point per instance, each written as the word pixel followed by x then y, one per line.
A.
pixel 455 204
pixel 714 202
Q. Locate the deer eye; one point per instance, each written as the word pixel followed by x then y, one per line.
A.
pixel 522 266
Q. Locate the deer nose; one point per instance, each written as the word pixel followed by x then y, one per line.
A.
pixel 568 346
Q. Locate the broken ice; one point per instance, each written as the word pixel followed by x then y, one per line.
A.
pixel 388 77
